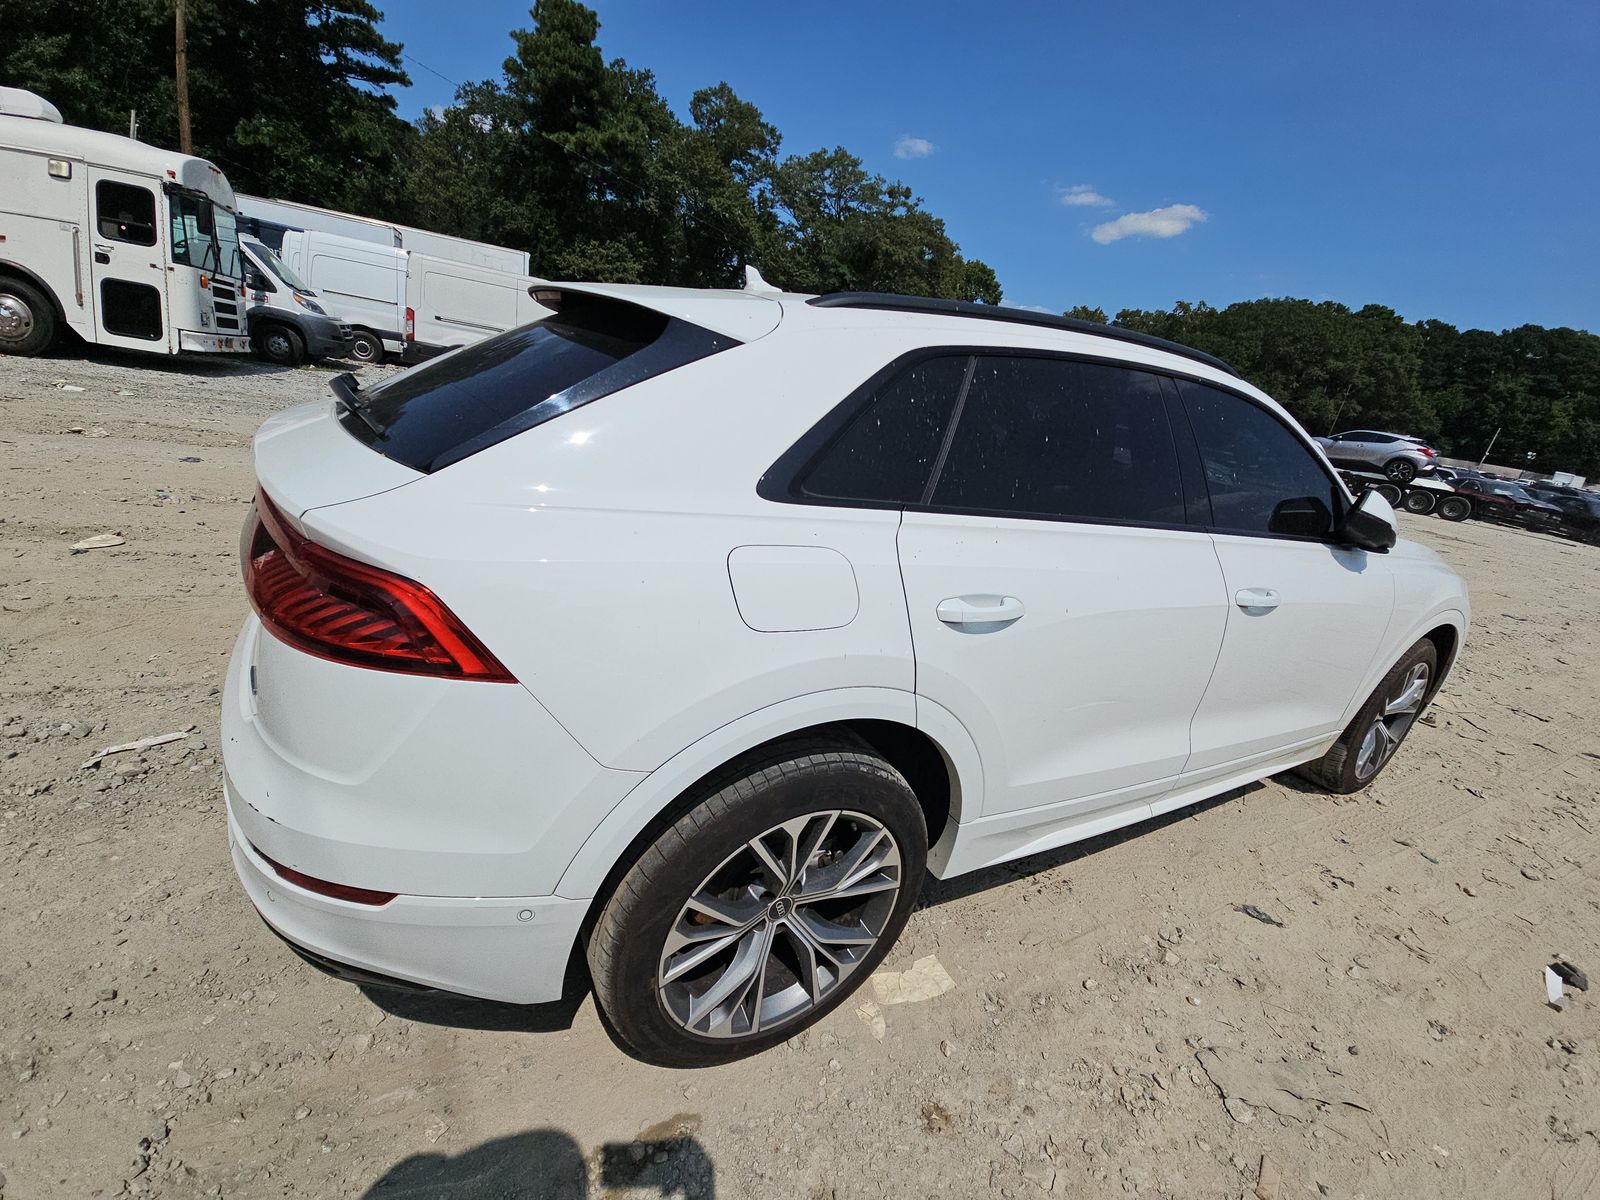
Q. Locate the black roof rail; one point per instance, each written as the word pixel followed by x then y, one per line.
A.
pixel 890 302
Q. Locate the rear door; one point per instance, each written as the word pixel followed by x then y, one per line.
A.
pixel 1306 615
pixel 1061 606
pixel 127 261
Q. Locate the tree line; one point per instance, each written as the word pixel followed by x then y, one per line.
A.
pixel 1533 392
pixel 579 160
pixel 575 158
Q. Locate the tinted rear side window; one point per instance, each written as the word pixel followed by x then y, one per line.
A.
pixel 440 413
pixel 887 453
pixel 1069 440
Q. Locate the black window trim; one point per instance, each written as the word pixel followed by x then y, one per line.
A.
pixel 781 482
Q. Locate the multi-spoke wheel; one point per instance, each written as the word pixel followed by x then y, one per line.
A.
pixel 1393 718
pixel 785 920
pixel 782 884
pixel 1400 470
pixel 1370 740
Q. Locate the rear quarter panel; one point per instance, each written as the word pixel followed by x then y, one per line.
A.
pixel 591 553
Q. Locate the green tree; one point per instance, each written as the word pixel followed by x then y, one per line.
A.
pixel 287 96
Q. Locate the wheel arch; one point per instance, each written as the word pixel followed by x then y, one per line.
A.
pixel 9 269
pixel 943 772
pixel 1446 629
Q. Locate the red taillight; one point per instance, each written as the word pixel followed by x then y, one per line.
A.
pixel 339 891
pixel 411 324
pixel 351 612
pixel 1429 451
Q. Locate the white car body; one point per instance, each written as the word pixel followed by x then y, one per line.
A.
pixel 661 616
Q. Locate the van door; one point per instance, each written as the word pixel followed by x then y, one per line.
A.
pixel 128 262
pixel 457 306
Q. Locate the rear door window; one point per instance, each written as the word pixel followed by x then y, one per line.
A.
pixel 475 397
pixel 1041 437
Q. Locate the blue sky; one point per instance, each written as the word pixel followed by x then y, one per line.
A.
pixel 1438 158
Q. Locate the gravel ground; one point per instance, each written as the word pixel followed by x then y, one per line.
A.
pixel 1114 1027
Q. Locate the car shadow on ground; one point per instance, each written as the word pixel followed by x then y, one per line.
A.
pixel 547 1164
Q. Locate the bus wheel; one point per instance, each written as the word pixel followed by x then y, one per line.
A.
pixel 366 347
pixel 27 320
pixel 282 345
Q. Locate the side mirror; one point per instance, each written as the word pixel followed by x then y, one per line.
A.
pixel 1369 525
pixel 255 281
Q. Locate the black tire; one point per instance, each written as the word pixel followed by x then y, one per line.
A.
pixel 703 850
pixel 1400 470
pixel 1454 508
pixel 1419 502
pixel 280 344
pixel 1390 493
pixel 27 319
pixel 366 347
pixel 1344 768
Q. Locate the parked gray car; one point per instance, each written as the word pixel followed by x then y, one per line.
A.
pixel 1400 457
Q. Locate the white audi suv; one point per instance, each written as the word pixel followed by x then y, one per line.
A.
pixel 681 634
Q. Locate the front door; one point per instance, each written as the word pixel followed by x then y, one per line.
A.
pixel 1059 606
pixel 128 263
pixel 1305 615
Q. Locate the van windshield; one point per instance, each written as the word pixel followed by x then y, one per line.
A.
pixel 204 235
pixel 484 393
pixel 279 268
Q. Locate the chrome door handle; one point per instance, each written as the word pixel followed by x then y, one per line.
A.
pixel 979 610
pixel 1256 598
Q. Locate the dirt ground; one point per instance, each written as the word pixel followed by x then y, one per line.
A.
pixel 1115 1026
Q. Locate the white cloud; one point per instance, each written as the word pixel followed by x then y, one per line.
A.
pixel 1082 195
pixel 913 147
pixel 1160 223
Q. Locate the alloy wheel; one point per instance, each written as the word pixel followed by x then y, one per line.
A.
pixel 780 925
pixel 1393 720
pixel 1400 471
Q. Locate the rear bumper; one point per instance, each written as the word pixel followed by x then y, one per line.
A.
pixel 511 949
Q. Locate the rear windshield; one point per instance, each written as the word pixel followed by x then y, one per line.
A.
pixel 472 398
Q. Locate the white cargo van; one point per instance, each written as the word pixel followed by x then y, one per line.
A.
pixel 407 304
pixel 361 284
pixel 268 219
pixel 450 304
pixel 288 325
pixel 124 244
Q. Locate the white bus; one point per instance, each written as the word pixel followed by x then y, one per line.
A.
pixel 124 244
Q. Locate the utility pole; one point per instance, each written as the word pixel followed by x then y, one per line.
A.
pixel 184 142
pixel 1489 447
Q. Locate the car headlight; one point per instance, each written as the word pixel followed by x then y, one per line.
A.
pixel 306 302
